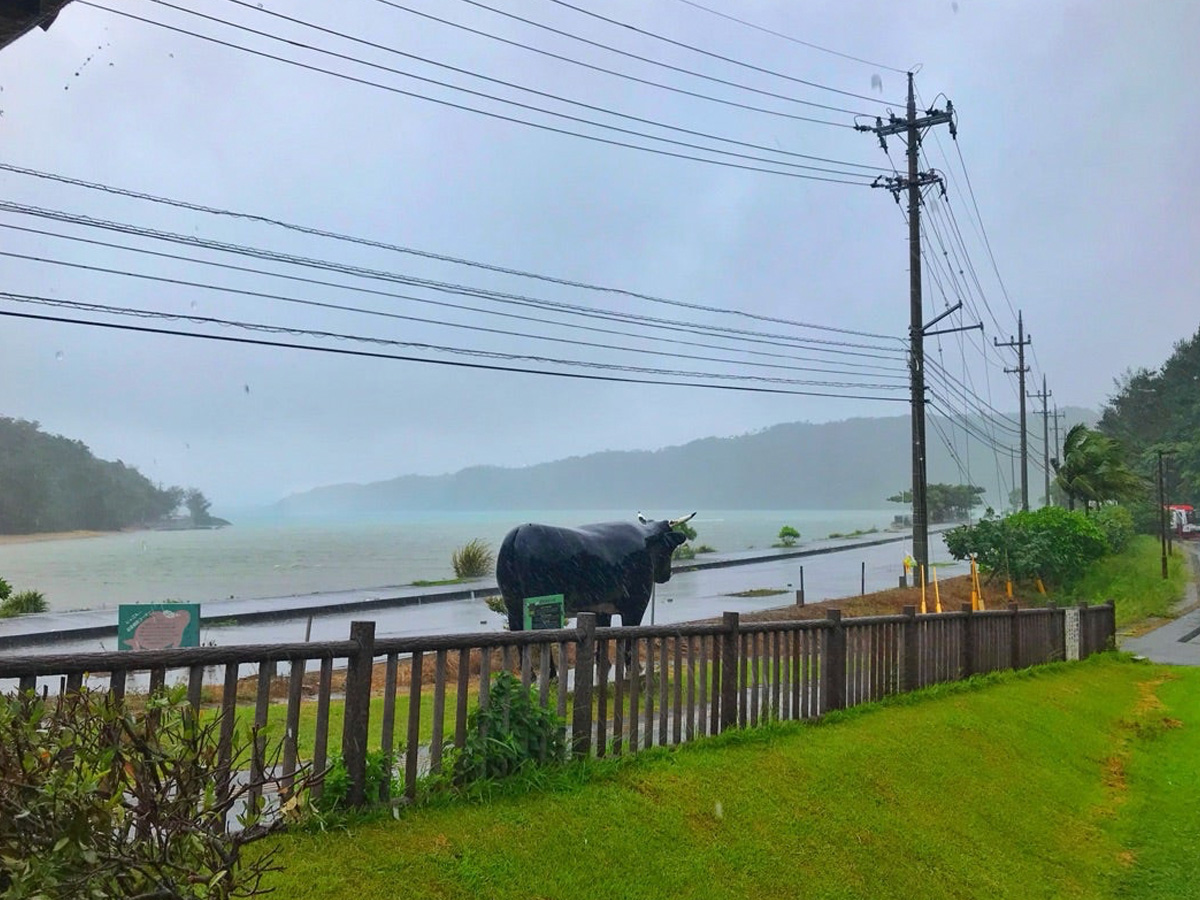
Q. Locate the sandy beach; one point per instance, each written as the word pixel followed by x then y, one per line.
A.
pixel 50 536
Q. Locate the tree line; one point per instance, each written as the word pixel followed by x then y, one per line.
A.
pixel 52 483
pixel 1158 411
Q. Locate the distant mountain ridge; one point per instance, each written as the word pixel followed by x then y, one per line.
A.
pixel 850 464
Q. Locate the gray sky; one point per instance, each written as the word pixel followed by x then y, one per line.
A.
pixel 1077 123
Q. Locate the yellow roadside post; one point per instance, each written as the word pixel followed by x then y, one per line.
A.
pixel 923 609
pixel 937 593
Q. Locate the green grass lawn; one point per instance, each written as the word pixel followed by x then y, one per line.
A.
pixel 1159 826
pixel 1134 580
pixel 1059 782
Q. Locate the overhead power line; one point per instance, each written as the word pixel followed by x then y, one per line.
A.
pixel 342 351
pixel 579 120
pixel 263 295
pixel 542 51
pixel 472 109
pixel 443 304
pixel 815 344
pixel 654 62
pixel 728 59
pixel 513 85
pixel 794 40
pixel 85 306
pixel 426 254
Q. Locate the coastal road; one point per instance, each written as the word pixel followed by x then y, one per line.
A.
pixel 1178 641
pixel 837 570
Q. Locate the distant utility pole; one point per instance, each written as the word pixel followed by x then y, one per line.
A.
pixel 1058 416
pixel 911 128
pixel 1044 396
pixel 1022 341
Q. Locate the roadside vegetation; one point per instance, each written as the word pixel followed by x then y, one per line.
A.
pixel 1133 580
pixel 105 800
pixel 927 799
pixel 473 559
pixel 21 603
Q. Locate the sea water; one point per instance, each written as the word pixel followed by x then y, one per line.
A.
pixel 260 558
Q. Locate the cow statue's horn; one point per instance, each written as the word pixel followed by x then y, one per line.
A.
pixel 675 522
pixel 642 518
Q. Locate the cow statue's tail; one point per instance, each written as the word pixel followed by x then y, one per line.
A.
pixel 510 581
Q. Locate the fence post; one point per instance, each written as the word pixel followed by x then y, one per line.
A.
pixel 968 641
pixel 1085 637
pixel 833 667
pixel 1052 641
pixel 1110 641
pixel 585 671
pixel 359 668
pixel 730 641
pixel 909 680
pixel 1015 632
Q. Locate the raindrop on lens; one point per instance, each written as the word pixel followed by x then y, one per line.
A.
pixel 58 355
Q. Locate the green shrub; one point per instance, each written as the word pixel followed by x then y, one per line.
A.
pixel 705 548
pixel 5 589
pixel 473 560
pixel 788 536
pixel 98 800
pixel 1049 543
pixel 512 732
pixel 22 604
pixel 685 551
pixel 380 773
pixel 1117 524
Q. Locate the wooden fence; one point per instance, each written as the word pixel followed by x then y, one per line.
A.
pixel 688 680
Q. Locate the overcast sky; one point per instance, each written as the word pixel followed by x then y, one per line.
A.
pixel 1078 124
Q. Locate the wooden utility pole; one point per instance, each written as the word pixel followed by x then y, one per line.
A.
pixel 912 127
pixel 1044 396
pixel 1023 340
pixel 1162 514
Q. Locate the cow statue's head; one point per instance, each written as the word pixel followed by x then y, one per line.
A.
pixel 662 541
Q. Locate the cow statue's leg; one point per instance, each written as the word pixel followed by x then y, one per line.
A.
pixel 516 617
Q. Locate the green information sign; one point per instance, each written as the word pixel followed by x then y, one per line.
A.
pixel 158 626
pixel 544 612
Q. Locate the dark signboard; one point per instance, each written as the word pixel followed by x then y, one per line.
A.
pixel 544 612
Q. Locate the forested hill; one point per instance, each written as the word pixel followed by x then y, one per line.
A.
pixel 52 483
pixel 853 464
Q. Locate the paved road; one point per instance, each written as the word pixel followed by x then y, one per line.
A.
pixel 1178 641
pixel 689 595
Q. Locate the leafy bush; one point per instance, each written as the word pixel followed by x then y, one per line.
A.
pixel 788 536
pixel 512 732
pixel 1050 543
pixel 380 773
pixel 705 548
pixel 22 603
pixel 685 551
pixel 1117 524
pixel 473 560
pixel 98 800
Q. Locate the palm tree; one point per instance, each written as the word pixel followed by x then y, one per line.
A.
pixel 1093 469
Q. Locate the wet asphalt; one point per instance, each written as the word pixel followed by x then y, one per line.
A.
pixel 1177 641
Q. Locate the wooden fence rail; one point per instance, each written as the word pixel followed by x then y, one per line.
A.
pixel 620 690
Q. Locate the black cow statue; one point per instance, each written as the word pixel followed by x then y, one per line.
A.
pixel 606 568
